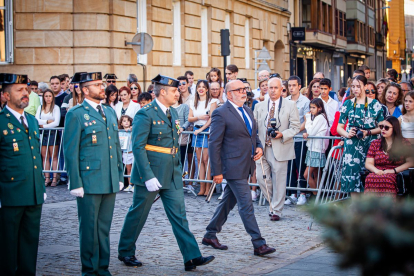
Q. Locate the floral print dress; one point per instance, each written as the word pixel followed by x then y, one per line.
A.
pixel 355 150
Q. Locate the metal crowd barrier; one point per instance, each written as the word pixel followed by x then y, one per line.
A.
pixel 197 172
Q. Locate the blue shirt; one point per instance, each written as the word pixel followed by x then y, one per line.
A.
pixel 303 107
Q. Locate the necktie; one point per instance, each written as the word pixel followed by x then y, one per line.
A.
pixel 168 113
pixel 24 124
pixel 249 128
pixel 100 111
pixel 271 115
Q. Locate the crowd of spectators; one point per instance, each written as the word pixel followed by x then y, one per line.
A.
pixel 365 114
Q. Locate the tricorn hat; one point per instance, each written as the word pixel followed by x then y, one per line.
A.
pixel 6 78
pixel 163 80
pixel 77 77
pixel 110 76
pixel 93 76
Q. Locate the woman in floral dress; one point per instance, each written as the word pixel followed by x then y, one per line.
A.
pixel 386 157
pixel 361 113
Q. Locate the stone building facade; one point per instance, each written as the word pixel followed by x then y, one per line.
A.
pixel 64 36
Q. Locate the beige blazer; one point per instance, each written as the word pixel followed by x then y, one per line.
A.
pixel 283 148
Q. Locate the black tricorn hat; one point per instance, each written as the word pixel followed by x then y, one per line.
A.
pixel 77 77
pixel 163 80
pixel 110 76
pixel 93 76
pixel 6 78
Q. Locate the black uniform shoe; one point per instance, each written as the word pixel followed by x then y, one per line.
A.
pixel 130 261
pixel 191 265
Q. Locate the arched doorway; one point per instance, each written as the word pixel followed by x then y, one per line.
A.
pixel 279 64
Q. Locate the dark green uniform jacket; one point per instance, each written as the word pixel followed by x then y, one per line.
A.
pixel 155 129
pixel 96 163
pixel 21 178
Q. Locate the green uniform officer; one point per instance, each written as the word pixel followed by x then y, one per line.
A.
pixel 157 170
pixel 94 162
pixel 22 189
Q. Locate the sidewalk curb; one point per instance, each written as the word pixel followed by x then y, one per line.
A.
pixel 277 261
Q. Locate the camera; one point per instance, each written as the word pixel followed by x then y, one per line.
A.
pixel 250 94
pixel 358 133
pixel 271 131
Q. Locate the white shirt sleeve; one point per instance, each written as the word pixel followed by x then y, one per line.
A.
pixel 56 118
pixel 319 126
pixel 38 113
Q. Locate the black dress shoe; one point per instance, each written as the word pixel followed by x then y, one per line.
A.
pixel 130 261
pixel 264 250
pixel 192 264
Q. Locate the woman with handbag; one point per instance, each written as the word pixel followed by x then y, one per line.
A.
pixel 386 158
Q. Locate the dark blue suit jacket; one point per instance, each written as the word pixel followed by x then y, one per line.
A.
pixel 230 144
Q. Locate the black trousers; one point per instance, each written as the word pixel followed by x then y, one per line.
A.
pixel 296 168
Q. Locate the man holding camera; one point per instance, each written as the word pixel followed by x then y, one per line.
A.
pixel 278 122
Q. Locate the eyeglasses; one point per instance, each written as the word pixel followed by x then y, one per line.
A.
pixel 385 127
pixel 111 81
pixel 240 90
pixel 183 83
pixel 76 86
pixel 134 88
pixel 372 91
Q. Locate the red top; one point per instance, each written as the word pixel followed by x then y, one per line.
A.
pixel 334 132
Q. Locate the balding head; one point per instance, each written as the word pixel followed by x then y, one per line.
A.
pixel 319 75
pixel 274 88
pixel 237 97
pixel 263 75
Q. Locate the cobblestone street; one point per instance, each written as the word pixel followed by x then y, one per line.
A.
pixel 157 248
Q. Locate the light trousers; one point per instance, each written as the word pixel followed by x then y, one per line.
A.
pixel 274 188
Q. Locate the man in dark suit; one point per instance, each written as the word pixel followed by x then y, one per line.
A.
pixel 233 148
pixel 22 189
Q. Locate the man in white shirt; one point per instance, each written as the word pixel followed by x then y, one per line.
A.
pixel 263 75
pixel 331 106
pixel 190 80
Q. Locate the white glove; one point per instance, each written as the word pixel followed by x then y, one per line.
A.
pixel 77 192
pixel 153 184
pixel 121 185
pixel 44 196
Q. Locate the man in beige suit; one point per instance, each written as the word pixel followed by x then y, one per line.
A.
pixel 278 150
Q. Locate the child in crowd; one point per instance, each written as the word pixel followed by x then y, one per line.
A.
pixel 316 124
pixel 125 124
pixel 214 75
pixel 144 99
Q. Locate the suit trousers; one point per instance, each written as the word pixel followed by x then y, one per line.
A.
pixel 236 191
pixel 173 201
pixel 95 213
pixel 276 174
pixel 19 239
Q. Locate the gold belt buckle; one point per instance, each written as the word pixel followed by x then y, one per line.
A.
pixel 174 150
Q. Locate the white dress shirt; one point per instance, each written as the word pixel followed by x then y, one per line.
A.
pixel 240 113
pixel 163 107
pixel 94 105
pixel 18 115
pixel 192 88
pixel 330 107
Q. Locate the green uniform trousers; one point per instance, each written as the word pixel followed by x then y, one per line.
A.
pixel 173 201
pixel 95 217
pixel 19 239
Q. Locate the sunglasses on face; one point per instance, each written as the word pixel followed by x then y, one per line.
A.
pixel 372 91
pixel 183 83
pixel 134 88
pixel 384 127
pixel 76 86
pixel 111 81
pixel 284 90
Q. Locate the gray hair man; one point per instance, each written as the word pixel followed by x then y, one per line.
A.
pixel 282 117
pixel 131 78
pixel 233 147
pixel 263 75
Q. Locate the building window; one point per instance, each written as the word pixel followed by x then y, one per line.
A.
pixel 350 30
pixel 306 14
pixel 247 42
pixel 371 3
pixel 371 37
pixel 361 33
pixel 177 33
pixel 204 37
pixel 340 23
pixel 6 31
